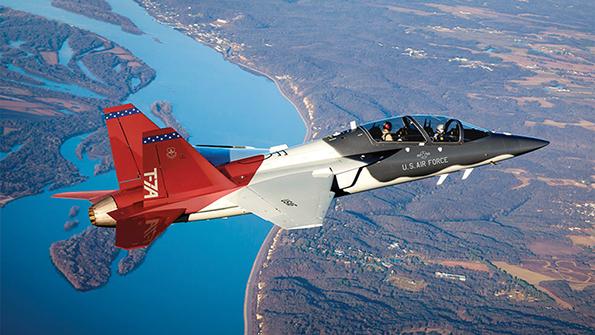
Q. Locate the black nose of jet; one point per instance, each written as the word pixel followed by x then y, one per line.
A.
pixel 524 145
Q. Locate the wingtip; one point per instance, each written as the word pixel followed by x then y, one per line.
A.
pixel 64 195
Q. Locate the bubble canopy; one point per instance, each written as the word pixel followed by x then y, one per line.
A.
pixel 424 128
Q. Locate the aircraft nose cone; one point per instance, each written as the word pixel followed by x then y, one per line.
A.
pixel 528 144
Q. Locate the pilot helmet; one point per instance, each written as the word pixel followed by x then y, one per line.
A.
pixel 440 128
pixel 387 125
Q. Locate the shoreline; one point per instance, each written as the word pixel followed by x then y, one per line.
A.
pixel 307 124
pixel 250 295
pixel 251 284
pixel 250 292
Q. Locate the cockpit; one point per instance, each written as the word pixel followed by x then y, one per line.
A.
pixel 424 128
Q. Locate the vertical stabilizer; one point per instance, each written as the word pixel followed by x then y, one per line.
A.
pixel 172 168
pixel 125 127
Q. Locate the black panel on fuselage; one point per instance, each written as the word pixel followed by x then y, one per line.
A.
pixel 419 161
pixel 389 160
pixel 356 144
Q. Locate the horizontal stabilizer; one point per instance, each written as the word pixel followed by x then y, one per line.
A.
pixel 92 196
pixel 139 231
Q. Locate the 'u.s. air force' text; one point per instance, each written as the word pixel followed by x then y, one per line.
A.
pixel 424 163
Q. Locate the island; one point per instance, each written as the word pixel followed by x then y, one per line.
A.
pixel 165 112
pixel 99 10
pixel 85 259
pixel 70 224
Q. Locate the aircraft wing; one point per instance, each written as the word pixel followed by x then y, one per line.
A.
pixel 294 201
pixel 139 231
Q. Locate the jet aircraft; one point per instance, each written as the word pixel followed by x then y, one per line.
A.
pixel 163 179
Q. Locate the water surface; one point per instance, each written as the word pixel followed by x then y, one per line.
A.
pixel 54 85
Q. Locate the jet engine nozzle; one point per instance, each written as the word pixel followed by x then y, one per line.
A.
pixel 98 213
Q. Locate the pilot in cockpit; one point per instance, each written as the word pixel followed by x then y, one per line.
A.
pixel 439 136
pixel 386 134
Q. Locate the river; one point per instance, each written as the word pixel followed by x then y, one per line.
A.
pixel 194 276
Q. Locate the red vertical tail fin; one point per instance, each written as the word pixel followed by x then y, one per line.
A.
pixel 125 127
pixel 172 168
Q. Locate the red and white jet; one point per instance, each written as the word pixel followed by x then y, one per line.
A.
pixel 163 179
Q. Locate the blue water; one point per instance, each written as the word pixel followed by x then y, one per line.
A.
pixel 65 53
pixel 13 149
pixel 56 86
pixel 85 166
pixel 194 276
pixel 15 44
pixel 134 82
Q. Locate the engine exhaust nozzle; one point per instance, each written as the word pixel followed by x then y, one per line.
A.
pixel 98 213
